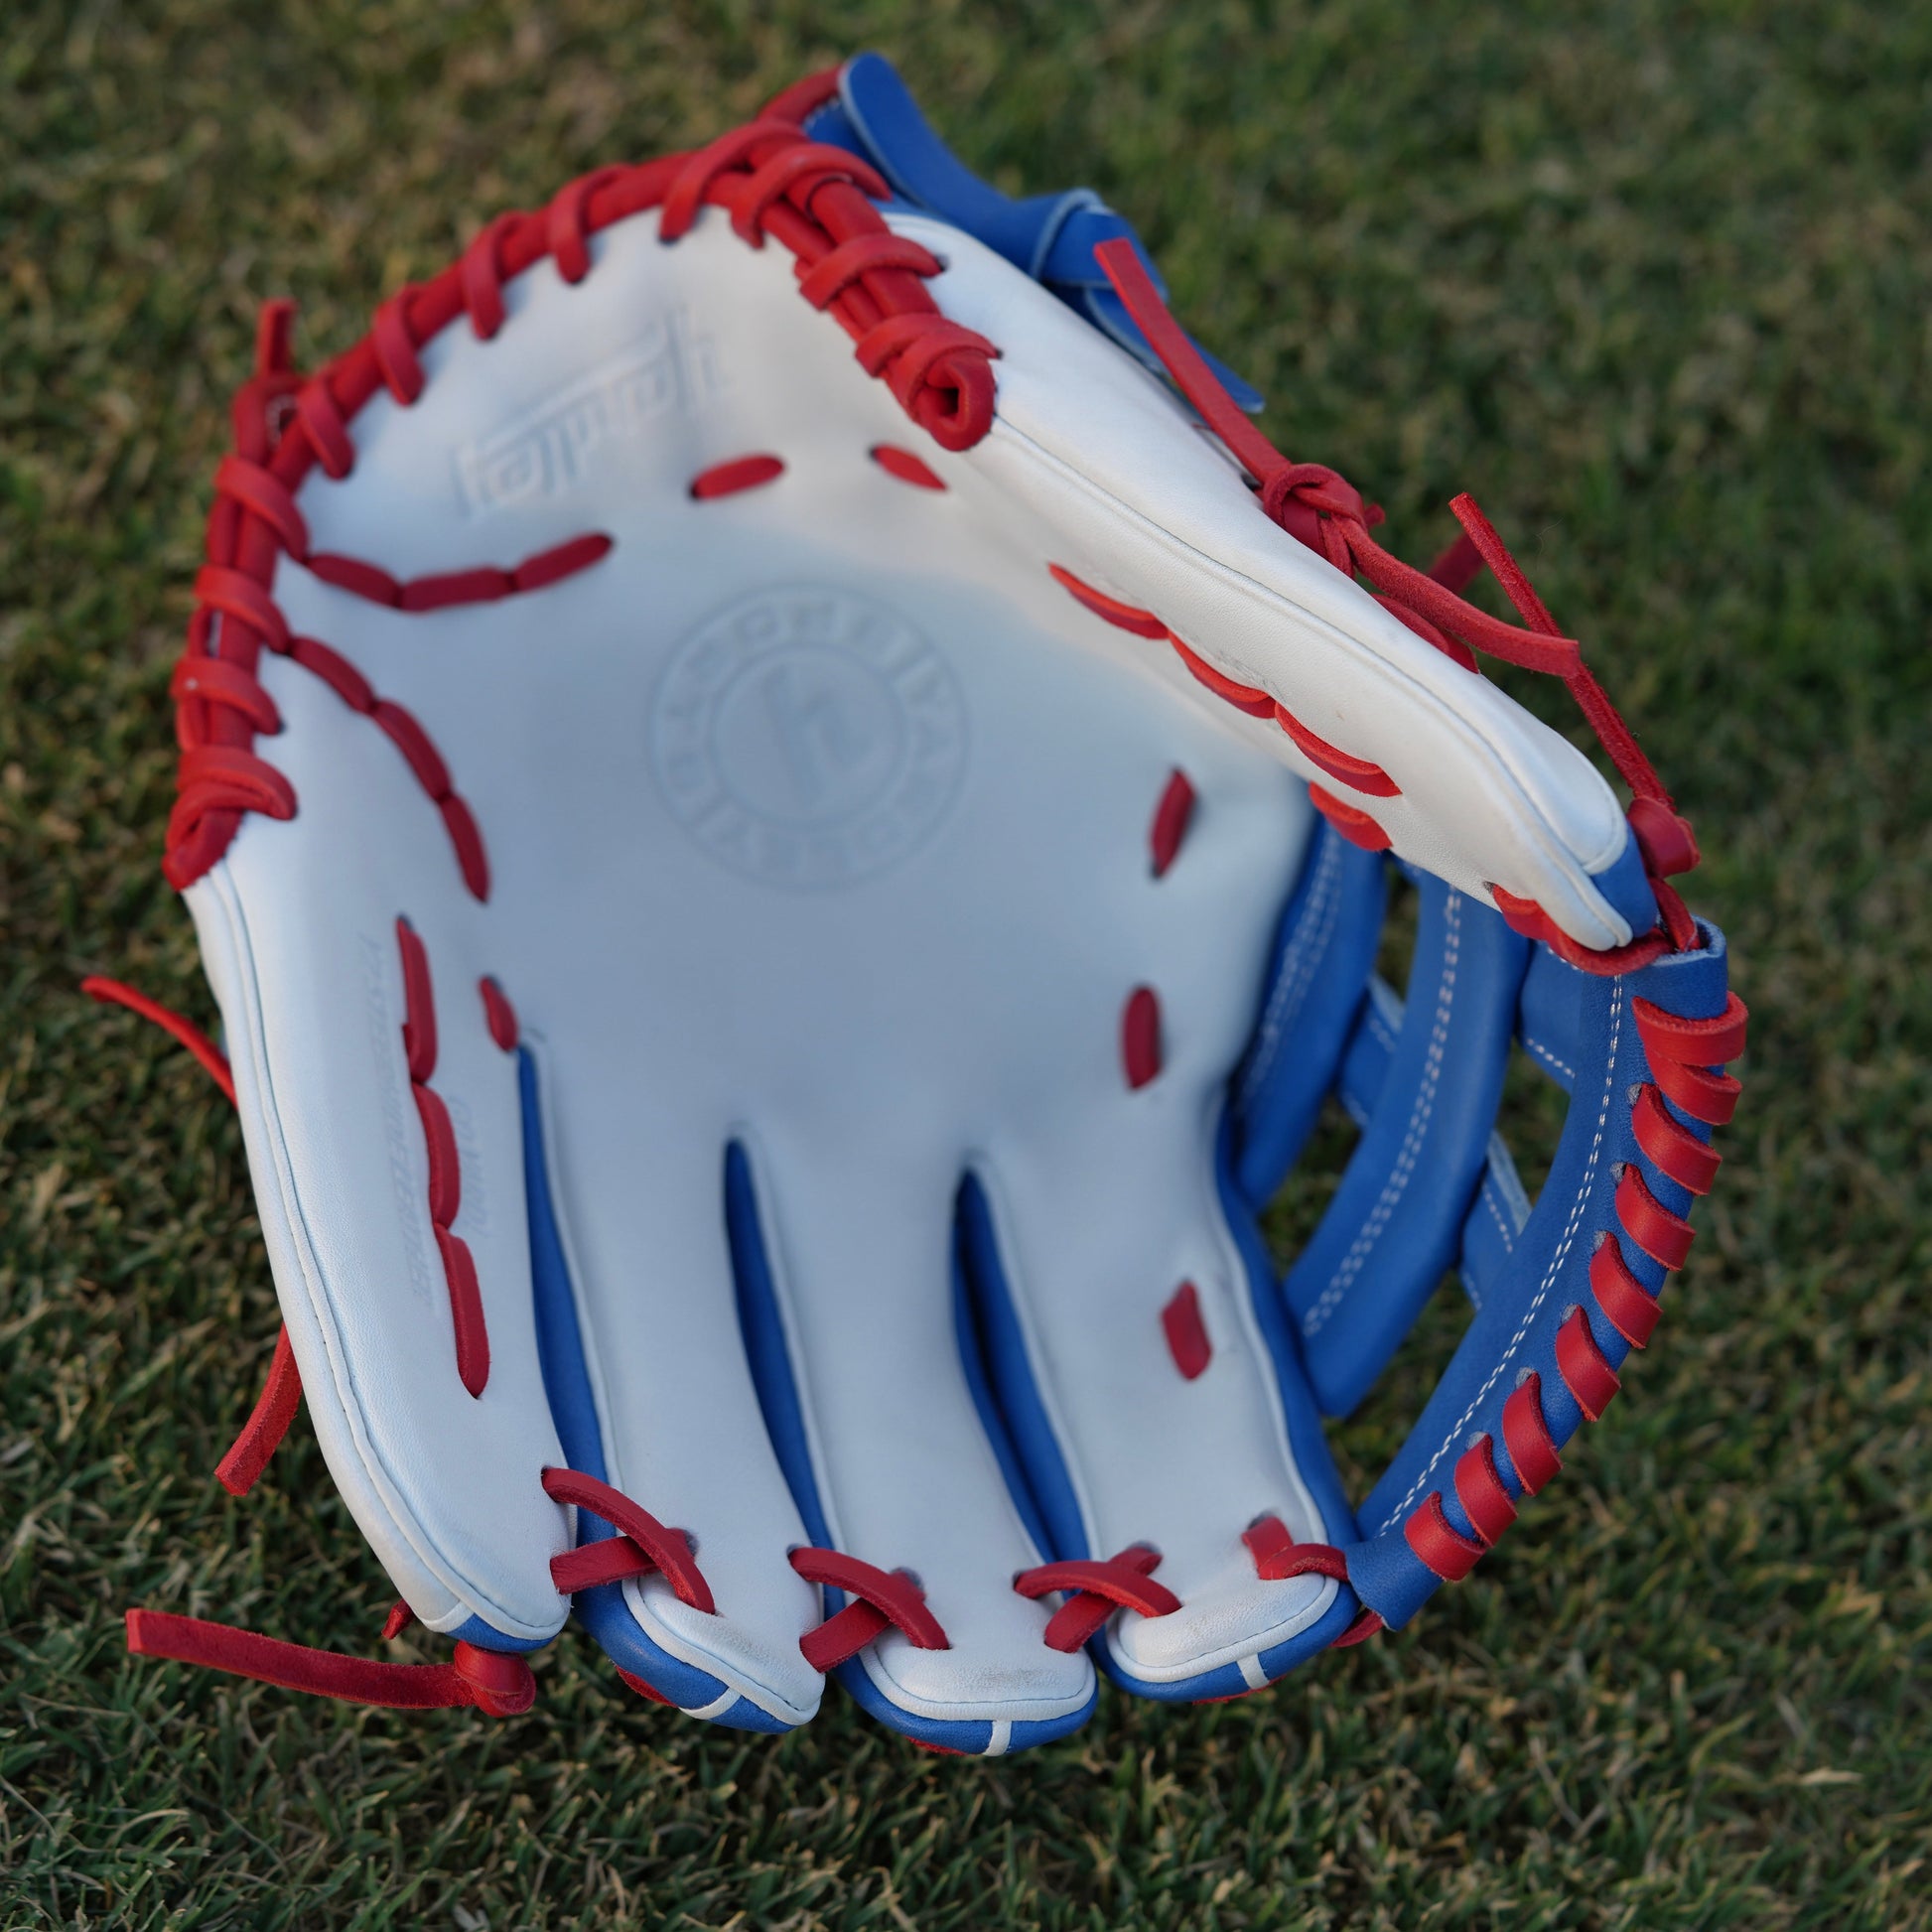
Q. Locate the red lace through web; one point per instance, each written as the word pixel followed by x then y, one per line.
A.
pixel 1683 1055
pixel 1095 1590
pixel 1278 1557
pixel 1322 510
pixel 642 1544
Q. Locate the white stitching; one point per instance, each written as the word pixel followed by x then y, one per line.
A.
pixel 1507 1182
pixel 1298 969
pixel 1576 1208
pixel 1399 1175
pixel 1496 1214
pixel 1376 1024
pixel 1542 1052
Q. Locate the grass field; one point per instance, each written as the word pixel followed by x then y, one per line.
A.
pixel 1653 282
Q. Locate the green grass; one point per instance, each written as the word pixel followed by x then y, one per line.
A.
pixel 1652 281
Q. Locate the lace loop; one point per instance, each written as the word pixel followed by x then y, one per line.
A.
pixel 481 276
pixel 238 596
pixel 213 777
pixel 261 490
pixel 1278 1557
pixel 320 417
pixel 884 1598
pixel 798 171
pixel 214 680
pixel 864 254
pixel 395 349
pixel 688 192
pixel 1097 1589
pixel 660 1549
pixel 566 227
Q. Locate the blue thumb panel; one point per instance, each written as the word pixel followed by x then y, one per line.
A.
pixel 1395 1226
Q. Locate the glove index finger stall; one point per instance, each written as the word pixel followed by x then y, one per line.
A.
pixel 790 854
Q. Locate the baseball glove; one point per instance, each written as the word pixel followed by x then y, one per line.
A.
pixel 788 811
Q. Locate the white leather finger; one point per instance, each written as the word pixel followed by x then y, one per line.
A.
pixel 665 1391
pixel 1127 1346
pixel 859 1251
pixel 388 1171
pixel 1097 462
pixel 1159 1397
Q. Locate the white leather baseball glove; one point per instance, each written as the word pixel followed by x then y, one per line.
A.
pixel 789 812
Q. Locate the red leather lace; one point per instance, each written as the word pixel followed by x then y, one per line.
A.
pixel 642 1544
pixel 1171 820
pixel 1327 513
pixel 882 1600
pixel 1097 1589
pixel 467 1323
pixel 492 1681
pixel 174 1024
pixel 281 1396
pixel 1185 1329
pixel 1278 1557
pixel 261 1435
pixel 773 182
pixel 1684 1056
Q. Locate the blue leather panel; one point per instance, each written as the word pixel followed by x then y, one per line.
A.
pixel 560 1347
pixel 1545 1277
pixel 970 1738
pixel 1048 1491
pixel 1494 1224
pixel 1051 237
pixel 1305 1435
pixel 1371 1047
pixel 1550 1024
pixel 764 1346
pixel 1001 1379
pixel 487 1636
pixel 1395 1226
pixel 1624 883
pixel 1325 951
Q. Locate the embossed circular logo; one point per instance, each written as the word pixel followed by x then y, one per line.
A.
pixel 808 737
